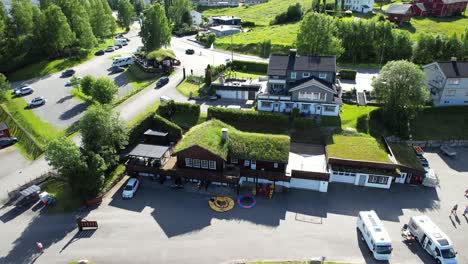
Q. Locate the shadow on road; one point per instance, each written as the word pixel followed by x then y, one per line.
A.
pixel 64 99
pixel 457 163
pixel 79 235
pixel 121 80
pixel 74 111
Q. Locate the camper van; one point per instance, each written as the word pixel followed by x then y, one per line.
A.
pixel 374 234
pixel 122 61
pixel 432 239
pixel 120 41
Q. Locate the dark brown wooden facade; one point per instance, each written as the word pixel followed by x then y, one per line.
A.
pixel 198 153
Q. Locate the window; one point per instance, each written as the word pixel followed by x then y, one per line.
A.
pixel 265 104
pixel 451 92
pixel 293 75
pixel 234 160
pixel 276 86
pixel 377 179
pixel 322 96
pixel 454 81
pixel 246 163
pixel 196 163
pixel 305 75
pixel 305 95
pixel 212 165
pixel 322 75
pixel 329 108
pixel 305 107
pixel 289 105
pixel 204 164
pixel 188 162
pixel 275 165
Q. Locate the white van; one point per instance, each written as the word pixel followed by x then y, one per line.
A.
pixel 374 234
pixel 122 61
pixel 432 239
pixel 165 98
pixel 120 41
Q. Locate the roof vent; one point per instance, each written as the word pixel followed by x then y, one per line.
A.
pixel 224 134
pixel 293 52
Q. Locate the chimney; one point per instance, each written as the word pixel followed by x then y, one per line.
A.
pixel 292 52
pixel 455 65
pixel 454 59
pixel 224 134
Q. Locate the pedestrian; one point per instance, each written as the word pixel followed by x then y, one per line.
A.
pixel 40 247
pixel 454 210
pixel 466 210
pixel 466 192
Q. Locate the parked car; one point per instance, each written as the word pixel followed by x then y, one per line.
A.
pixel 423 161
pixel 68 73
pixel 99 53
pixel 24 91
pixel 118 46
pixel 130 188
pixel 7 141
pixel 189 51
pixel 110 49
pixel 38 101
pixel 447 150
pixel 419 151
pixel 163 81
pixel 165 98
pixel 116 69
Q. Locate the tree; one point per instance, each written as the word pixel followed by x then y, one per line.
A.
pixel 381 3
pixel 138 5
pixel 155 31
pixel 315 6
pixel 101 19
pixel 87 84
pixel 21 17
pixel 176 11
pixel 4 87
pixel 208 75
pixel 110 20
pixel 317 36
pixel 103 133
pixel 58 32
pixel 187 18
pixel 104 90
pixel 125 13
pixel 464 40
pixel 3 22
pixel 400 87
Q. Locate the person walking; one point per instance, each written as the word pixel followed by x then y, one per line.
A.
pixel 466 210
pixel 454 210
pixel 40 247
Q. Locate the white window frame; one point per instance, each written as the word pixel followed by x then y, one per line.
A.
pixel 305 107
pixel 305 74
pixel 246 163
pixel 234 160
pixel 212 165
pixel 327 108
pixel 451 92
pixel 204 164
pixel 196 163
pixel 322 75
pixel 454 81
pixel 188 162
pixel 275 165
pixel 293 75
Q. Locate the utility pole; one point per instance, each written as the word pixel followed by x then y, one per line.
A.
pixel 232 51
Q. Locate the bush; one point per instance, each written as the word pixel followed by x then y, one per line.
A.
pixel 293 14
pixel 185 30
pixel 137 129
pixel 169 108
pixel 207 39
pixel 250 66
pixel 330 12
pixel 348 74
pixel 232 115
pixel 162 124
pixel 249 24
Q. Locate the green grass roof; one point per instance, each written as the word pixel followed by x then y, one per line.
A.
pixel 405 155
pixel 356 148
pixel 160 54
pixel 240 144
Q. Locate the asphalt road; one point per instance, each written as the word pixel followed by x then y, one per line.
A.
pixel 165 226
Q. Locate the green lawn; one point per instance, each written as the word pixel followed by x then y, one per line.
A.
pixel 67 201
pixel 187 87
pixel 405 155
pixel 356 148
pixel 241 75
pixel 437 25
pixel 441 123
pixel 188 121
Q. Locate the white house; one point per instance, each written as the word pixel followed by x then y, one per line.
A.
pixel 224 30
pixel 361 6
pixel 196 17
pixel 230 3
pixel 253 2
pixel 447 82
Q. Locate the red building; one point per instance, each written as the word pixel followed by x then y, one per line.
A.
pixel 439 7
pixel 399 13
pixel 4 130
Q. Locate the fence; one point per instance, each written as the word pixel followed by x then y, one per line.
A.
pixel 429 143
pixel 25 139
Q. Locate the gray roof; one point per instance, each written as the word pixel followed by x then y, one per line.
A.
pixel 453 1
pixel 148 151
pixel 3 126
pixel 421 6
pixel 454 69
pixel 280 64
pixel 400 9
pixel 155 133
pixel 313 82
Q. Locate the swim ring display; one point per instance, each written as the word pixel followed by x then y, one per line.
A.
pixel 246 201
pixel 221 203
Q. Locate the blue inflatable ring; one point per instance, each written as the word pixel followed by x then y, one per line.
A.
pixel 242 197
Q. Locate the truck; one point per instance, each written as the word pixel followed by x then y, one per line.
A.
pixel 122 61
pixel 374 234
pixel 120 41
pixel 432 239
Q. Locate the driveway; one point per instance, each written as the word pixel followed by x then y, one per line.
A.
pixel 363 80
pixel 166 226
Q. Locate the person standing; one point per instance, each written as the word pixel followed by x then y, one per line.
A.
pixel 40 247
pixel 454 210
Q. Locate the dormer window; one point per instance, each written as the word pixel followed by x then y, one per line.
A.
pixel 454 81
pixel 305 75
pixel 322 75
pixel 293 75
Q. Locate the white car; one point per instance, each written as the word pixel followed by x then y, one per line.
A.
pixel 110 49
pixel 37 102
pixel 131 188
pixel 24 91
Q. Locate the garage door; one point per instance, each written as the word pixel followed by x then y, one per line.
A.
pixel 227 94
pixel 305 184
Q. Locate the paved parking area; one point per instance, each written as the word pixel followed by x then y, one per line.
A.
pixel 11 160
pixel 363 80
pixel 161 225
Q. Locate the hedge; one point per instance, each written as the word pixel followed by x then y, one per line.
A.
pixel 249 66
pixel 249 24
pixel 348 74
pixel 170 108
pixel 232 115
pixel 162 124
pixel 136 131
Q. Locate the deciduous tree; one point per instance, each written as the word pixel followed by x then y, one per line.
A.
pixel 104 90
pixel 176 11
pixel 87 84
pixel 21 17
pixel 155 31
pixel 4 87
pixel 126 13
pixel 58 32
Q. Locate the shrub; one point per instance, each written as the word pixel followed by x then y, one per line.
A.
pixel 348 74
pixel 169 108
pixel 136 130
pixel 232 115
pixel 207 39
pixel 295 113
pixel 250 66
pixel 185 30
pixel 249 24
pixel 293 14
pixel 162 124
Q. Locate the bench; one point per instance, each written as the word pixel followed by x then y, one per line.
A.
pixel 83 223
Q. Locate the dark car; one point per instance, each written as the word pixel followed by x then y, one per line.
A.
pixel 423 161
pixel 68 73
pixel 189 51
pixel 7 141
pixel 116 69
pixel 99 53
pixel 163 81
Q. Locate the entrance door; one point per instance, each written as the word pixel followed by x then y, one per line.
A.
pixel 362 180
pixel 251 95
pixel 253 164
pixel 276 108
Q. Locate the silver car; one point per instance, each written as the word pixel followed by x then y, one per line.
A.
pixel 24 91
pixel 38 101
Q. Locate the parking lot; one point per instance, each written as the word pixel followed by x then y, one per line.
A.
pixel 363 80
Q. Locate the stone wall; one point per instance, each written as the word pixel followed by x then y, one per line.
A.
pixel 429 143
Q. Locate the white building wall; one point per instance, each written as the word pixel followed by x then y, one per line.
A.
pixel 340 178
pixel 305 184
pixel 354 178
pixel 311 108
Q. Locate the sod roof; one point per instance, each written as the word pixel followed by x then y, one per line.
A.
pixel 243 145
pixel 405 155
pixel 160 54
pixel 356 148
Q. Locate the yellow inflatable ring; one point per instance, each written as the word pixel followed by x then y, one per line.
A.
pixel 221 203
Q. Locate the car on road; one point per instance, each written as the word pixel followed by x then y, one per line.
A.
pixel 163 81
pixel 24 91
pixel 116 69
pixel 189 51
pixel 7 141
pixel 99 53
pixel 38 101
pixel 118 46
pixel 68 73
pixel 121 36
pixel 130 188
pixel 110 49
